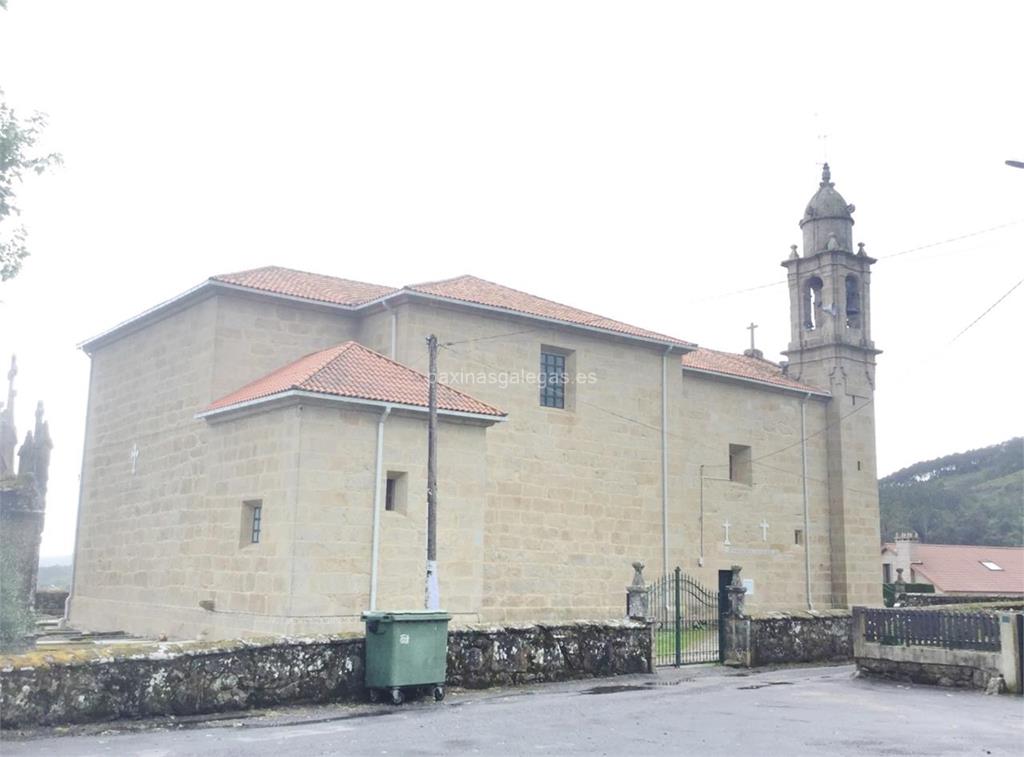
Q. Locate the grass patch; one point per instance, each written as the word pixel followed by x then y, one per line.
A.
pixel 692 641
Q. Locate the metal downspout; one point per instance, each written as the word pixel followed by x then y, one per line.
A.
pixel 664 461
pixel 807 516
pixel 700 557
pixel 377 506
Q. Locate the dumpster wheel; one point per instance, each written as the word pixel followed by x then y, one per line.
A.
pixel 438 693
pixel 397 697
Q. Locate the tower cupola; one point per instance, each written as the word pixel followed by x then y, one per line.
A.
pixel 828 221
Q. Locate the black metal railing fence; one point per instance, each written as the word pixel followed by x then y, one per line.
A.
pixel 947 629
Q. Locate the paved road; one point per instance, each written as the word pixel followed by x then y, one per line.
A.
pixel 696 711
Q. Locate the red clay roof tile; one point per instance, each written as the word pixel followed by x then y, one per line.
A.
pixel 308 286
pixel 954 568
pixel 469 289
pixel 352 370
pixel 742 366
pixel 481 292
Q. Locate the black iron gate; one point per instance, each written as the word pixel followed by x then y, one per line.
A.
pixel 686 620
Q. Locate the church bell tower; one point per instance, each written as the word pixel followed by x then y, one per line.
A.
pixel 830 347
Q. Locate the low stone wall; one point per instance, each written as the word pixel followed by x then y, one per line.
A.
pixel 780 638
pixel 50 602
pixel 58 687
pixel 940 663
pixel 931 600
pixel 938 667
pixel 483 657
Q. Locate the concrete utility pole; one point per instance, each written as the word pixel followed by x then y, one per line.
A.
pixel 433 592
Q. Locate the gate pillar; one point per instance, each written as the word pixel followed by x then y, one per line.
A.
pixel 637 602
pixel 735 636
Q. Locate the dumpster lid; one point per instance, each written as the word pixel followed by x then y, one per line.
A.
pixel 406 615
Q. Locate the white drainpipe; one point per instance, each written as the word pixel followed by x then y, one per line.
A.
pixel 807 516
pixel 378 505
pixel 664 461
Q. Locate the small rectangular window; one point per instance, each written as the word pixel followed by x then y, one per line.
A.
pixel 740 464
pixel 798 537
pixel 252 521
pixel 886 573
pixel 389 494
pixel 552 380
pixel 395 492
pixel 990 565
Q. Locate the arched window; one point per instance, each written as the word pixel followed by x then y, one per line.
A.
pixel 812 303
pixel 852 302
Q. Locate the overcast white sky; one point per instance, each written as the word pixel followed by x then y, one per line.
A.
pixel 641 160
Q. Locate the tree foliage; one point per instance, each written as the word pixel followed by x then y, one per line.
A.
pixel 18 137
pixel 974 497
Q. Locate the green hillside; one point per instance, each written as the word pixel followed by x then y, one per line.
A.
pixel 974 497
pixel 54 577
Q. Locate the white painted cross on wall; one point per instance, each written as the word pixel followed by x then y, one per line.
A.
pixel 727 525
pixel 764 530
pixel 134 455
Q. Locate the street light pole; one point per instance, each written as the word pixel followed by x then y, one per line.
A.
pixel 433 599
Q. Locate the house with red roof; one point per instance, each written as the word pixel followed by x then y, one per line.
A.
pixel 255 455
pixel 958 569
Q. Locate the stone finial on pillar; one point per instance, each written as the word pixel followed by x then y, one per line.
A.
pixel 736 591
pixel 899 586
pixel 8 434
pixel 636 594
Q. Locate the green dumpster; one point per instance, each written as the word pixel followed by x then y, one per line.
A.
pixel 406 650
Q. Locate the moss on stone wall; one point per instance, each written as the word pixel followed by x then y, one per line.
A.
pixel 56 687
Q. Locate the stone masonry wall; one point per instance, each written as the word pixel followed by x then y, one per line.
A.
pixel 548 507
pixel 21 526
pixel 929 673
pixel 161 533
pixel 994 669
pixel 482 657
pixel 574 494
pixel 52 687
pixel 929 600
pixel 784 638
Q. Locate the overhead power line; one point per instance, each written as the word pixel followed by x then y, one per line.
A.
pixel 988 310
pixel 951 239
pixel 880 258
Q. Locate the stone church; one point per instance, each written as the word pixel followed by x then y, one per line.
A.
pixel 255 456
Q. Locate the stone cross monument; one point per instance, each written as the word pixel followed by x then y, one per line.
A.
pixel 22 495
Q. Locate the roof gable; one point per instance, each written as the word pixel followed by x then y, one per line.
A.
pixel 350 295
pixel 350 370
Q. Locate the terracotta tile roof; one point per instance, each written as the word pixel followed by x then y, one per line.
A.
pixel 953 568
pixel 741 366
pixel 480 292
pixel 352 370
pixel 308 286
